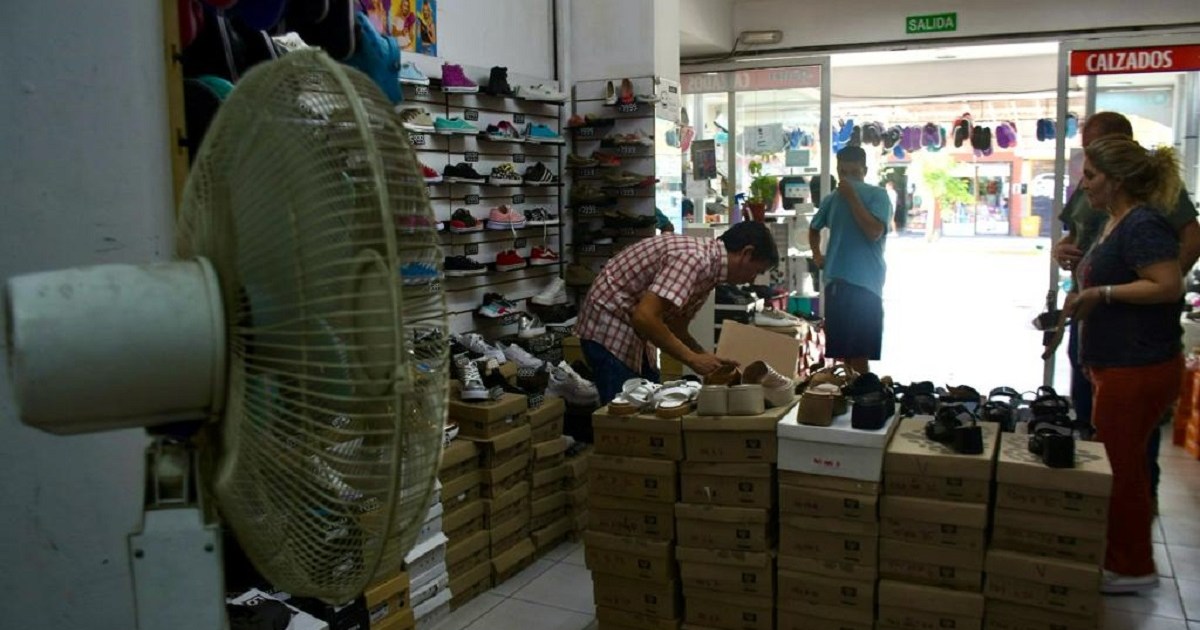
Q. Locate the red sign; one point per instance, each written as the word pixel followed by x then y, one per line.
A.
pixel 1135 60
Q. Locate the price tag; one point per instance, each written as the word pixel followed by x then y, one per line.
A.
pixel 471 200
pixel 587 211
pixel 471 156
pixel 526 372
pixel 585 172
pixel 519 243
pixel 628 149
pixel 628 108
pixel 518 158
pixel 587 249
pixel 416 139
pixel 518 199
pixel 672 89
pixel 422 90
pixel 471 114
pixel 535 400
pixel 627 231
pixel 626 192
pixel 585 132
pixel 435 286
pixel 471 249
pixel 518 119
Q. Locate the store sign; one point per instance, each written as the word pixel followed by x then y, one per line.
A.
pixel 752 80
pixel 1135 60
pixel 931 23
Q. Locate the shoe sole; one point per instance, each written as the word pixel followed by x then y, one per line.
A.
pixel 414 81
pixel 474 395
pixel 408 282
pixel 434 180
pixel 462 273
pixel 504 182
pixel 532 140
pixel 419 128
pixel 464 180
pixel 460 90
pixel 512 267
pixel 487 136
pixel 492 225
pixel 478 228
pixel 1127 589
pixel 542 262
pixel 535 300
pixel 563 324
pixel 533 333
pixel 529 223
pixel 458 132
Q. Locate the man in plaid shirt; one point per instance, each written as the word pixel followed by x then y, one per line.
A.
pixel 646 296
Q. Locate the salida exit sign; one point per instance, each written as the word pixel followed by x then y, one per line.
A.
pixel 931 23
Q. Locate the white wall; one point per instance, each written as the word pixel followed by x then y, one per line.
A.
pixel 868 22
pixel 517 34
pixel 624 38
pixel 666 39
pixel 84 176
pixel 945 78
pixel 706 27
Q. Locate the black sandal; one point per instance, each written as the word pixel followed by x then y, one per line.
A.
pixel 957 427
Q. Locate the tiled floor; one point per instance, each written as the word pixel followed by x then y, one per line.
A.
pixel 555 593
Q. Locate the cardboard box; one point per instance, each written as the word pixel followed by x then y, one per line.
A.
pixel 549 455
pixel 505 477
pixel 432 524
pixel 959 569
pixel 752 573
pixel 544 520
pixel 824 482
pixel 829 539
pixel 814 502
pixel 746 344
pixel 633 478
pixel 791 620
pixel 502 448
pixel 429 585
pixel 736 439
pixel 464 521
pixel 655 599
pixel 932 522
pixel 462 555
pixel 917 466
pixel 1025 483
pixel 424 557
pixel 733 485
pixel 551 410
pixel 512 560
pixel 469 585
pixel 829 568
pixel 640 435
pixel 461 490
pixel 1054 536
pixel 629 517
pixel 719 527
pixel 629 557
pixel 387 598
pixel 549 504
pixel 822 596
pixel 433 611
pixel 459 458
pixel 838 450
pixel 903 605
pixel 580 519
pixel 1003 615
pixel 577 466
pixel 572 350
pixel 1068 587
pixel 549 430
pixel 613 618
pixel 506 505
pixel 507 534
pixel 489 419
pixel 301 620
pixel 402 621
pixel 548 537
pixel 548 481
pixel 579 498
pixel 709 609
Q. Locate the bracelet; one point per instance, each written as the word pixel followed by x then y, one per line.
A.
pixel 1108 294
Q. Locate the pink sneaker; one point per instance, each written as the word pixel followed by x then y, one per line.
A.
pixel 455 80
pixel 505 218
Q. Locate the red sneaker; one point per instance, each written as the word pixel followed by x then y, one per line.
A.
pixel 431 176
pixel 606 159
pixel 509 260
pixel 543 256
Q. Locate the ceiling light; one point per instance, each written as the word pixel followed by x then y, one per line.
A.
pixel 760 38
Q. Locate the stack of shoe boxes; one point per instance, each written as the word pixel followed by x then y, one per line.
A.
pixel 830 480
pixel 934 514
pixel 505 459
pixel 387 604
pixel 726 523
pixel 429 590
pixel 550 518
pixel 633 481
pixel 575 483
pixel 1045 562
pixel 462 522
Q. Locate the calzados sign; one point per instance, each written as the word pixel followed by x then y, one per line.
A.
pixel 1135 60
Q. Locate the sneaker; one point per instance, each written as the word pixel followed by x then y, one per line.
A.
pixel 529 326
pixel 498 82
pixel 559 315
pixel 586 194
pixel 418 273
pixel 541 256
pixel 462 222
pixel 521 357
pixel 537 132
pixel 578 161
pixel 606 160
pixel 411 74
pixel 1115 583
pixel 503 132
pixel 474 342
pixel 625 179
pixel 454 126
pixel 462 173
pixel 473 389
pixel 576 121
pixel 462 266
pixel 505 175
pixel 579 275
pixel 556 293
pixel 778 390
pixel 540 216
pixel 417 119
pixel 774 318
pixel 495 306
pixel 571 387
pixel 455 80
pixel 510 260
pixel 540 92
pixel 730 294
pixel 539 175
pixel 431 176
pixel 505 218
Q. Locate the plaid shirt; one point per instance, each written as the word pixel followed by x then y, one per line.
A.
pixel 680 269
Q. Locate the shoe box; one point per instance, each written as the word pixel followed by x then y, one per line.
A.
pixel 930 522
pixel 638 435
pixel 470 584
pixel 829 546
pixel 633 478
pixel 502 448
pixel 387 598
pixel 630 557
pixel 546 420
pixel 729 484
pixel 432 524
pixel 791 620
pixel 464 554
pixel 505 534
pixel 648 520
pixel 917 466
pixel 1024 483
pixel 737 439
pixel 1080 540
pixel 465 520
pixel 461 490
pixel 837 450
pixel 720 527
pixel 488 419
pixel 657 600
pixel 746 344
pixel 1064 586
pixel 547 510
pixel 903 605
pixel 431 612
pixel 712 609
pixel 1002 615
pixel 547 482
pixel 959 569
pixel 403 621
pixel 301 620
pixel 572 349
pixel 425 561
pixel 506 476
pixel 514 558
pixel 460 457
pixel 506 505
pixel 825 502
pixel 552 535
pixel 622 620
pixel 726 571
pixel 826 597
pixel 437 582
pixel 549 454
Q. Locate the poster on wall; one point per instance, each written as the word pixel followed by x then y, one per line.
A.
pixel 412 22
pixel 704 159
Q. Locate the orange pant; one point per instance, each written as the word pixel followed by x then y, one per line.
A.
pixel 1128 402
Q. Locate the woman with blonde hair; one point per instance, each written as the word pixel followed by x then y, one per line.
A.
pixel 1128 306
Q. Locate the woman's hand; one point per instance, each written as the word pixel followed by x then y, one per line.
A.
pixel 1079 305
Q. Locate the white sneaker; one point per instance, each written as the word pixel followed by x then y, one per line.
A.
pixel 540 92
pixel 477 344
pixel 1115 583
pixel 473 388
pixel 773 318
pixel 530 326
pixel 523 359
pixel 556 293
pixel 570 386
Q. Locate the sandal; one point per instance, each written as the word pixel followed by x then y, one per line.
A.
pixel 816 404
pixel 955 426
pixel 917 399
pixel 725 375
pixel 675 398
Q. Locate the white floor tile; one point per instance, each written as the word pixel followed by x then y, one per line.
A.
pixel 562 551
pixel 1179 530
pixel 1162 560
pixel 1156 531
pixel 1185 560
pixel 519 580
pixel 472 611
pixel 1189 591
pixel 1117 620
pixel 576 557
pixel 1161 602
pixel 564 586
pixel 1194 625
pixel 515 614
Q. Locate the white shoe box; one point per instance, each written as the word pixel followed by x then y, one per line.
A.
pixel 432 582
pixel 425 556
pixel 300 619
pixel 431 612
pixel 433 524
pixel 838 450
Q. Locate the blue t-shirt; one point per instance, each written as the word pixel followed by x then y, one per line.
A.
pixel 851 256
pixel 1122 334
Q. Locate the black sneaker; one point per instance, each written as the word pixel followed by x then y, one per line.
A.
pixel 540 216
pixel 558 315
pixel 460 266
pixel 462 173
pixel 728 294
pixel 539 175
pixel 498 82
pixel 462 221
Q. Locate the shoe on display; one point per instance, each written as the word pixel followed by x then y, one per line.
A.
pixel 454 80
pixel 473 389
pixel 610 94
pixel 418 273
pixel 411 74
pixel 530 326
pixel 778 390
pixel 606 160
pixel 503 132
pixel 576 121
pixel 462 173
pixel 505 218
pixel 462 222
pixel 586 194
pixel 555 293
pixel 417 119
pixel 505 175
pixel 559 315
pixel 1115 583
pixel 774 318
pixel 498 82
pixel 625 96
pixel 474 342
pixel 454 126
pixel 463 266
pixel 540 216
pixel 431 176
pixel 521 357
pixel 625 179
pixel 537 132
pixel 729 294
pixel 539 175
pixel 541 256
pixel 510 260
pixel 579 161
pixel 571 387
pixel 494 306
pixel 578 275
pixel 540 92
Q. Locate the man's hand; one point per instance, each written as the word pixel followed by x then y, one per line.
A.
pixel 819 260
pixel 1067 254
pixel 705 364
pixel 846 187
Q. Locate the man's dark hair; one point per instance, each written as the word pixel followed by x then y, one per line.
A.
pixel 852 154
pixel 1109 123
pixel 752 233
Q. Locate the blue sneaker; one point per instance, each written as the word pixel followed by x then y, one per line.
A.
pixel 418 273
pixel 537 132
pixel 412 75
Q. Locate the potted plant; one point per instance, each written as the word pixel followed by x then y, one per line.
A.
pixel 762 191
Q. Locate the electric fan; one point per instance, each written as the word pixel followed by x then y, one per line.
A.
pixel 286 325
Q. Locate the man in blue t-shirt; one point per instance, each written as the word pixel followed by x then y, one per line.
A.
pixel 857 215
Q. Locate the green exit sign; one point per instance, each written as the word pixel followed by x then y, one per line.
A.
pixel 931 23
